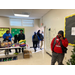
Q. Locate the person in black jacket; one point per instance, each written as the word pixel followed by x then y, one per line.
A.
pixel 35 39
pixel 21 36
pixel 15 41
pixel 38 33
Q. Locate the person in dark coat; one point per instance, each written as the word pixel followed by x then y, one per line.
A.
pixel 38 33
pixel 21 36
pixel 35 39
pixel 15 41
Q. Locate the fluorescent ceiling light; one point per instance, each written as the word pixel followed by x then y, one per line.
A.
pixel 21 15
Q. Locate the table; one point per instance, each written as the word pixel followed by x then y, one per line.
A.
pixel 10 48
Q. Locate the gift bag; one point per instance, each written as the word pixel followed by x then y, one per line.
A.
pixel 22 43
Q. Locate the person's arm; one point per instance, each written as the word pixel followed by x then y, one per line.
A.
pixel 65 42
pixel 10 36
pixel 52 44
pixel 39 38
pixel 4 36
pixel 18 38
pixel 24 36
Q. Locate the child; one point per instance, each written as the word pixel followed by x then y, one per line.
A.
pixel 6 39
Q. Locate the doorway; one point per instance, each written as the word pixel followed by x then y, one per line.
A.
pixel 47 39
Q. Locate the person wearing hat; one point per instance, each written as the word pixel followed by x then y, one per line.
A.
pixel 57 50
pixel 21 36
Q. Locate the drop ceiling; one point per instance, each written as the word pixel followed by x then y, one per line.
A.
pixel 34 13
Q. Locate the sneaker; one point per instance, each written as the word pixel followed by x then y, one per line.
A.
pixel 35 50
pixel 16 53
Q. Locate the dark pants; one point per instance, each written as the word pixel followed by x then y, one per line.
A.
pixel 16 50
pixel 9 50
pixel 20 50
pixel 35 45
pixel 57 57
pixel 38 44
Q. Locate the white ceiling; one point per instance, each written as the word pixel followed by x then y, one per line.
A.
pixel 34 13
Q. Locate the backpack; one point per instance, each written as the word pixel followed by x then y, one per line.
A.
pixel 35 38
pixel 41 37
pixel 64 49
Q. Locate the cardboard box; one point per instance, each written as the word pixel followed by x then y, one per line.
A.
pixel 26 51
pixel 27 55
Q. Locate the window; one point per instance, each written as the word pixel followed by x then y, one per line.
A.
pixel 15 22
pixel 21 22
pixel 28 23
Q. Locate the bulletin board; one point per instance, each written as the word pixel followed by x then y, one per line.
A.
pixel 3 30
pixel 69 29
pixel 16 31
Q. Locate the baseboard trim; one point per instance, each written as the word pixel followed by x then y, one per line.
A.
pixel 49 54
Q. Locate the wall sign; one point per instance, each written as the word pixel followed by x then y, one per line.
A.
pixel 16 31
pixel 73 31
pixel 3 30
pixel 69 29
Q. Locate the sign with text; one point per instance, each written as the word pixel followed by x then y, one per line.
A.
pixel 3 30
pixel 73 31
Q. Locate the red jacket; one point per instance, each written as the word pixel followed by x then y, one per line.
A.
pixel 57 47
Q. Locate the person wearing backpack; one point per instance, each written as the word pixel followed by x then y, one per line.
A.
pixel 42 38
pixel 58 47
pixel 35 39
pixel 38 33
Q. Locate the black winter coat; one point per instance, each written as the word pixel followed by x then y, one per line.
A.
pixel 21 37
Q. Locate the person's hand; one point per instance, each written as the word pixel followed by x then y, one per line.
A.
pixel 61 38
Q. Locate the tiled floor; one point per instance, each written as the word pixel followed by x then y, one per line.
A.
pixel 38 58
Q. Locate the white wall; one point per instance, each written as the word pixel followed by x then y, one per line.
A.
pixel 55 20
pixel 29 31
